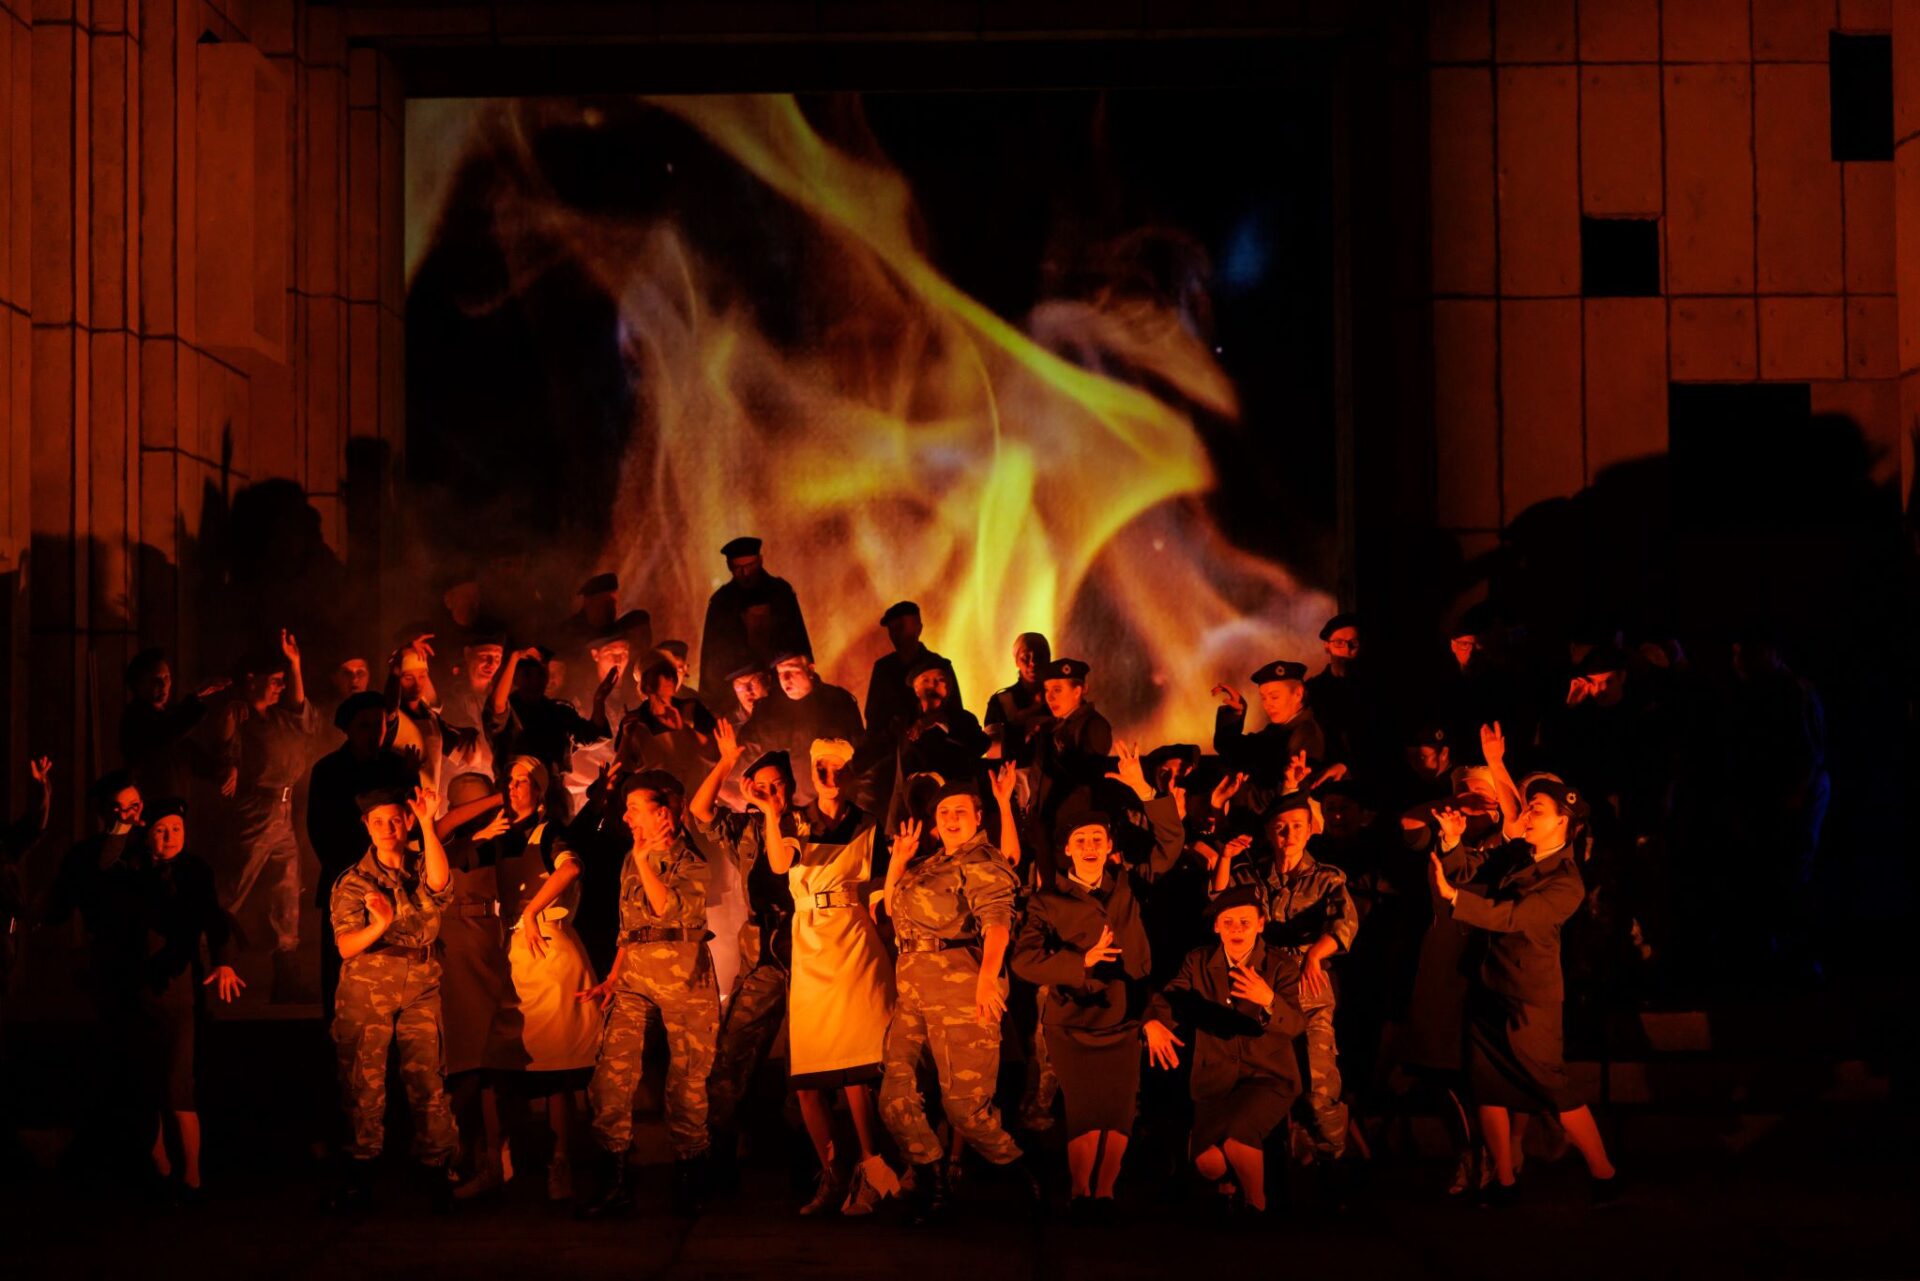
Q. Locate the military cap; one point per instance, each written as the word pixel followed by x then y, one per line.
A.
pixel 787 654
pixel 1186 753
pixel 927 662
pixel 957 787
pixel 740 548
pixel 1071 821
pixel 741 673
pixel 776 759
pixel 372 799
pixel 1572 803
pixel 677 648
pixel 1599 659
pixel 1065 669
pixel 354 704
pixel 1280 670
pixel 1427 734
pixel 485 631
pixel 899 609
pixel 165 807
pixel 600 585
pixel 1241 894
pixel 1287 803
pixel 1338 621
pixel 1475 620
pixel 622 628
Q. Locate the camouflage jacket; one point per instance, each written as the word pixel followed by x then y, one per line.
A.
pixel 416 909
pixel 684 869
pixel 954 895
pixel 1302 905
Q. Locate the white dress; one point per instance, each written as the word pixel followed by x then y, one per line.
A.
pixel 556 1031
pixel 841 995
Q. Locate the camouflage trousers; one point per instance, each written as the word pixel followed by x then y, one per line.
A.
pixel 1042 1082
pixel 670 984
pixel 1324 1104
pixel 382 999
pixel 934 1011
pixel 747 1029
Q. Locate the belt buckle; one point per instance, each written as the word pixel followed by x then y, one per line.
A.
pixel 823 899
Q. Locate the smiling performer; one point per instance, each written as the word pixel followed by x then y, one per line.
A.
pixel 1083 943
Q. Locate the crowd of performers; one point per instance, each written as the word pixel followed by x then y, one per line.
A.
pixel 542 862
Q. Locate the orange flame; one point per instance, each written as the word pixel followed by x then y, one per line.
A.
pixel 922 447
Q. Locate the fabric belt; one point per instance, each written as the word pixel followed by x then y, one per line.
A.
pixel 473 909
pixel 664 934
pixel 838 896
pixel 418 955
pixel 936 945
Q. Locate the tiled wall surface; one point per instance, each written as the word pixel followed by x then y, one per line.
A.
pixel 123 422
pixel 1776 262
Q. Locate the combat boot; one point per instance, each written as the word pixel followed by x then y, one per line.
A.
pixel 355 1192
pixel 615 1197
pixel 689 1185
pixel 928 1201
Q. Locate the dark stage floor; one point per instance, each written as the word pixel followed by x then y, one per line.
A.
pixel 1776 1212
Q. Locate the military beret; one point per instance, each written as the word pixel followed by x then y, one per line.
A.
pixel 165 807
pixel 676 648
pixel 484 631
pixel 776 759
pixel 1280 670
pixel 1599 659
pixel 1071 821
pixel 623 628
pixel 600 585
pixel 742 673
pixel 1571 802
pixel 1241 894
pixel 787 654
pixel 899 609
pixel 354 704
pixel 1286 804
pixel 1065 669
pixel 927 662
pixel 1186 753
pixel 1338 621
pixel 957 787
pixel 1475 620
pixel 1427 734
pixel 741 547
pixel 372 799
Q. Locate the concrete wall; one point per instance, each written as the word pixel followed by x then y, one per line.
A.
pixel 196 299
pixel 1776 262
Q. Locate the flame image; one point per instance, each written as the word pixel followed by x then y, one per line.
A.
pixel 1045 475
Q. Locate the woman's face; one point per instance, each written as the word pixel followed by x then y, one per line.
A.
pixel 957 819
pixel 1546 826
pixel 1063 697
pixel 167 837
pixel 387 827
pixel 769 784
pixel 520 795
pixel 1238 927
pixel 650 821
pixel 826 778
pixel 1089 848
pixel 1290 832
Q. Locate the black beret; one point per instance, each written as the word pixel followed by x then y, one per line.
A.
pixel 677 648
pixel 1288 802
pixel 1476 620
pixel 927 662
pixel 1241 894
pixel 600 584
pixel 899 609
pixel 1571 802
pixel 741 547
pixel 957 787
pixel 787 654
pixel 1072 820
pixel 485 631
pixel 1601 658
pixel 1427 734
pixel 354 704
pixel 374 798
pixel 1065 669
pixel 741 673
pixel 1338 621
pixel 776 759
pixel 165 807
pixel 1186 753
pixel 623 628
pixel 1280 670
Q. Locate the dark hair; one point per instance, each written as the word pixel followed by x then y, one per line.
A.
pixel 144 664
pixel 109 785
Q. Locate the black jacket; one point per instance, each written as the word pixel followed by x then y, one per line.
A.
pixel 1519 906
pixel 1230 1040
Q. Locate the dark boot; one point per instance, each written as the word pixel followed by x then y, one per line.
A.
pixel 689 1185
pixel 614 1197
pixel 928 1203
pixel 355 1193
pixel 289 988
pixel 1020 1175
pixel 724 1164
pixel 440 1189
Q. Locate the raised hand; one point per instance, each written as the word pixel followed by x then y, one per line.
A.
pixel 728 740
pixel 424 802
pixel 209 688
pixel 1226 789
pixel 290 646
pixel 1297 772
pixel 1103 950
pixel 1452 824
pixel 41 767
pixel 1237 846
pixel 1130 772
pixel 1161 1043
pixel 1437 877
pixel 906 842
pixel 1493 743
pixel 496 826
pixel 1003 781
pixel 604 690
pixel 1230 697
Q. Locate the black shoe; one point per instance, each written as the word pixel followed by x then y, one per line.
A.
pixel 1106 1211
pixel 289 988
pixel 1606 1192
pixel 615 1197
pixel 928 1202
pixel 1499 1196
pixel 1080 1211
pixel 689 1185
pixel 723 1165
pixel 440 1188
pixel 1020 1175
pixel 355 1193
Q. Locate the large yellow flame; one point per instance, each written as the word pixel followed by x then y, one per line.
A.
pixel 921 447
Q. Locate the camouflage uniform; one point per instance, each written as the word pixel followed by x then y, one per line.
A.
pixel 943 905
pixel 392 990
pixel 663 974
pixel 1303 905
pixel 759 1000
